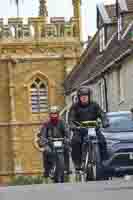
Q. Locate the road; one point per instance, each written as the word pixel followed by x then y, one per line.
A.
pixel 116 190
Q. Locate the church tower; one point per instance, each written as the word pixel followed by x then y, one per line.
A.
pixel 35 58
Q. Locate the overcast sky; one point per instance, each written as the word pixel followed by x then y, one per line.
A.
pixel 57 8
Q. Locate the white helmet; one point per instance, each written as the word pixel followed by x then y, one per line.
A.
pixel 54 109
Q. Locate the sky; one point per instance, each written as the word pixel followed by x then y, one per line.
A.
pixel 57 8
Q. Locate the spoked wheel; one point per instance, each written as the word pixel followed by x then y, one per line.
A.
pixel 90 172
pixel 95 169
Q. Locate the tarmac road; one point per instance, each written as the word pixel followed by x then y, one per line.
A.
pixel 110 190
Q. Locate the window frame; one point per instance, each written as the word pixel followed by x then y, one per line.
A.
pixel 38 105
pixel 120 26
pixel 102 39
pixel 102 94
pixel 120 85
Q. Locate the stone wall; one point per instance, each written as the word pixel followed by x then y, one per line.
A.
pixel 21 62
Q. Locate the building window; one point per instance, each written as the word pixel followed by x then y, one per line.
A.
pixel 39 96
pixel 102 39
pixel 102 96
pixel 120 84
pixel 119 26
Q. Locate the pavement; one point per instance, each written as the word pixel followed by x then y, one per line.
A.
pixel 117 189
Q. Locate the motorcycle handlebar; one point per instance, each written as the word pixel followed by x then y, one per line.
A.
pixel 86 124
pixel 56 139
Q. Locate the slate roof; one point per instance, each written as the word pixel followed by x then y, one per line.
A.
pixel 111 9
pixel 97 65
pixel 92 64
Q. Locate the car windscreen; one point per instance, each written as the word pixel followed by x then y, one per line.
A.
pixel 120 124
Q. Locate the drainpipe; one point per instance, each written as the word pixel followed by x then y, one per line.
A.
pixel 106 95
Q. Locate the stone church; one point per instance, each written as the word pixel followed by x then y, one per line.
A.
pixel 35 57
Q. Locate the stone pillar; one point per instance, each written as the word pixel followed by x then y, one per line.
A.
pixel 15 135
pixel 43 11
pixel 77 16
pixel 39 25
pixel 11 93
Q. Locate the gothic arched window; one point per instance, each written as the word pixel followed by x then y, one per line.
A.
pixel 39 96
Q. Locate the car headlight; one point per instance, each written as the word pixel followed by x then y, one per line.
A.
pixel 112 142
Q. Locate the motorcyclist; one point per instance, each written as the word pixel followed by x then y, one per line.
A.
pixel 53 128
pixel 85 110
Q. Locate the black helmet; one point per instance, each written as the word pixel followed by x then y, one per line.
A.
pixel 84 90
pixel 131 110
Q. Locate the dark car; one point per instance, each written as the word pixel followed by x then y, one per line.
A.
pixel 119 143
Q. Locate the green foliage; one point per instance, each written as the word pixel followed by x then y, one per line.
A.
pixel 26 180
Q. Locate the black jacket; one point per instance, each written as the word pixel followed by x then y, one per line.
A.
pixel 90 112
pixel 48 130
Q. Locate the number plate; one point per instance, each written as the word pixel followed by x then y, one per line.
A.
pixel 131 156
pixel 91 132
pixel 58 144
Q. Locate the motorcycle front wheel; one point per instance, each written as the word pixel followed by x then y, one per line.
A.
pixel 60 166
